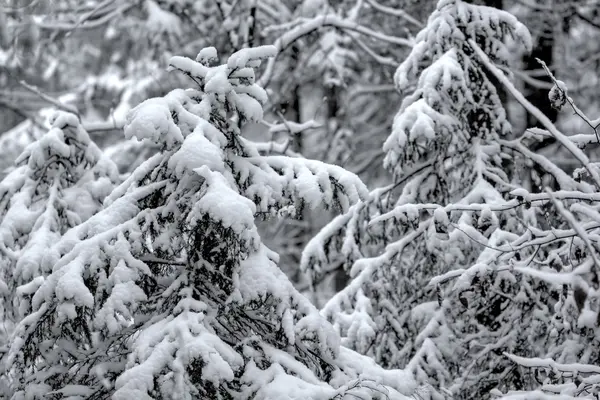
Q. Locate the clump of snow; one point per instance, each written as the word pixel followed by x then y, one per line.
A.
pixel 153 120
pixel 241 58
pixel 237 213
pixel 189 66
pixel 288 387
pixel 207 56
pixel 195 152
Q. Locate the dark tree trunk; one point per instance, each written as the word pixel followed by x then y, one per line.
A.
pixel 543 49
pixel 499 4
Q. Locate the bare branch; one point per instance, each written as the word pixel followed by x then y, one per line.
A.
pixel 286 40
pixel 394 12
pixel 576 227
pixel 593 124
pixel 564 140
pixel 50 99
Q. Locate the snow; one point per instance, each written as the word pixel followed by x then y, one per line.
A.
pixel 115 313
pixel 287 324
pixel 38 153
pixel 241 58
pixel 549 363
pixel 313 328
pixel 260 276
pixel 237 213
pixel 45 234
pixel 160 20
pixel 310 180
pixel 74 391
pixel 13 181
pixel 19 218
pixel 173 343
pixel 195 152
pixel 121 210
pixel 446 163
pixel 288 387
pixel 188 65
pixel 362 329
pixel 62 183
pixel 103 279
pixel 587 319
pixel 400 383
pixel 415 124
pixel 217 81
pixel 314 254
pixel 558 94
pixel 249 107
pixel 143 170
pixel 441 217
pixel 535 395
pixel 153 120
pixel 62 120
pixel 233 83
pixel 30 287
pixel 69 285
pixel 254 91
pixel 207 55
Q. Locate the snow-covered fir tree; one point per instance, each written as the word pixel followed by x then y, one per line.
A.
pixel 168 292
pixel 60 181
pixel 438 218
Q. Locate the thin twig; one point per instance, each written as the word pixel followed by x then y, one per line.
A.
pixel 395 12
pixel 576 227
pixel 50 99
pixel 593 124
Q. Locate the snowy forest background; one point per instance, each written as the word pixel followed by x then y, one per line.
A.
pixel 285 199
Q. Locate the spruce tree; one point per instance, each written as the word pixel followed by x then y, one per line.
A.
pixel 168 292
pixel 404 245
pixel 59 181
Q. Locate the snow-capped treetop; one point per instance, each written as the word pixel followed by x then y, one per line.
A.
pixel 60 181
pixel 450 26
pixel 450 82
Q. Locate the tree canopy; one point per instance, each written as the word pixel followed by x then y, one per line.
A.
pixel 273 199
